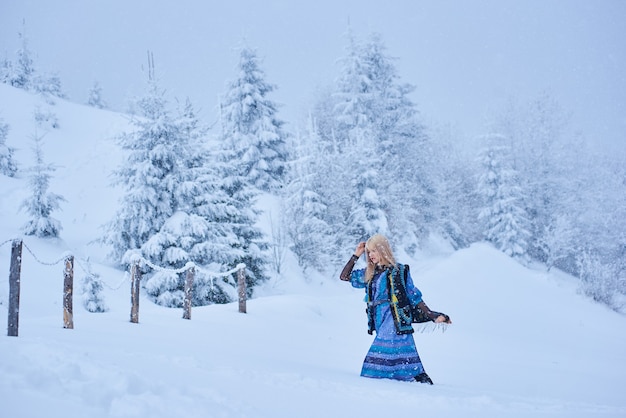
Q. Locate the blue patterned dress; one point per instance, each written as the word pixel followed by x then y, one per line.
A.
pixel 392 355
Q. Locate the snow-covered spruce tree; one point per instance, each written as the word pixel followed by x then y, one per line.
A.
pixel 538 145
pixel 327 178
pixel 404 153
pixel 95 97
pixel 454 179
pixel 599 234
pixel 567 194
pixel 305 210
pixel 503 215
pixel 23 74
pixel 354 131
pixel 6 71
pixel 247 122
pixel 41 203
pixel 375 146
pixel 600 280
pixel 250 122
pixel 49 87
pixel 148 176
pixel 8 166
pixel 198 230
pixel 242 216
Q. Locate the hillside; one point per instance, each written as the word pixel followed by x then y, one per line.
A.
pixel 523 342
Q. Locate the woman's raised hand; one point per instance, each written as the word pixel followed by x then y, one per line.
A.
pixel 360 249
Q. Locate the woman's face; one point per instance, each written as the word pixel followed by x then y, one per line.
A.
pixel 374 255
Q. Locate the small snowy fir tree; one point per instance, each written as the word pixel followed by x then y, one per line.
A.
pixel 95 97
pixel 22 74
pixel 367 215
pixel 92 298
pixel 45 118
pixel 49 87
pixel 506 225
pixel 23 71
pixel 251 125
pixel 6 71
pixel 600 280
pixel 41 203
pixel 8 166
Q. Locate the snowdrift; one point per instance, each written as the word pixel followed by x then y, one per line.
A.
pixel 523 342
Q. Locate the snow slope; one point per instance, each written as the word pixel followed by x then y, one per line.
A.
pixel 523 342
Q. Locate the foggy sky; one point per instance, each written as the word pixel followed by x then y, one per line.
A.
pixel 466 58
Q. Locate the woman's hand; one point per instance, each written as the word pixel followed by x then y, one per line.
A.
pixel 443 318
pixel 360 249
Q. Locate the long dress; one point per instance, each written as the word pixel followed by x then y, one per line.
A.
pixel 391 355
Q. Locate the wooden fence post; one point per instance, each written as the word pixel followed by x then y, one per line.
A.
pixel 135 279
pixel 68 292
pixel 14 288
pixel 188 293
pixel 241 288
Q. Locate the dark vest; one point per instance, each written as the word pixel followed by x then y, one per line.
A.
pixel 398 300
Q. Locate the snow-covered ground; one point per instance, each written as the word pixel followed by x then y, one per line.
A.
pixel 523 342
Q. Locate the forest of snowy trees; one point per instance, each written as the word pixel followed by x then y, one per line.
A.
pixel 362 162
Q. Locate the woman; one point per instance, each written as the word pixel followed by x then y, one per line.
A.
pixel 393 354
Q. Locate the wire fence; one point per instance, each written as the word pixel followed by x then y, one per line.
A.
pixel 134 276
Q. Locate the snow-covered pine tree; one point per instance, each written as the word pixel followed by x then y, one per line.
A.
pixel 367 216
pixel 574 196
pixel 198 231
pixel 600 280
pixel 597 236
pixel 327 179
pixel 403 148
pixel 503 215
pixel 535 133
pixel 241 218
pixel 148 176
pixel 454 179
pixel 377 148
pixel 49 87
pixel 22 73
pixel 355 132
pixel 6 71
pixel 8 166
pixel 95 97
pixel 251 159
pixel 41 203
pixel 305 210
pixel 250 122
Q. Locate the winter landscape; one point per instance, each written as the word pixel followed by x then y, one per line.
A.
pixel 514 226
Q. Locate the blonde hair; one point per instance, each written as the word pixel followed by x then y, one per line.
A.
pixel 381 244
